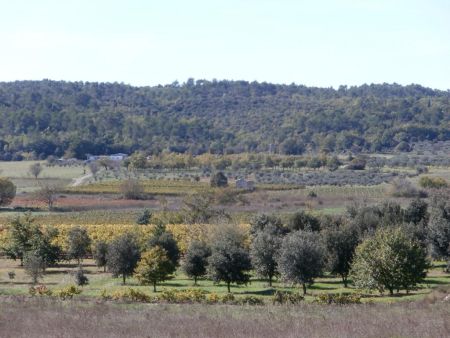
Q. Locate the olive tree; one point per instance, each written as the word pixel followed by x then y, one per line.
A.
pixel 123 255
pixel 229 261
pixel 34 266
pixel 100 253
pixel 195 261
pixel 340 247
pixel 78 243
pixel 165 240
pixel 389 260
pixel 301 258
pixel 35 170
pixel 264 249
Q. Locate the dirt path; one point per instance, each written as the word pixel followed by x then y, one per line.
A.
pixel 80 180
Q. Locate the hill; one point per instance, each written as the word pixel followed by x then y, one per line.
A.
pixel 75 118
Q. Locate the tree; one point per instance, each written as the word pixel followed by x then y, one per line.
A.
pixel 303 221
pixel 389 260
pixel 100 254
pixel 42 245
pixel 196 260
pixel 219 180
pixel 123 255
pixel 340 248
pixel 132 189
pixel 417 212
pixel 78 243
pixel 20 234
pixel 262 222
pixel 165 240
pixel 155 266
pixel 7 191
pixel 35 170
pixel 80 278
pixel 94 168
pixel 229 261
pixel 34 265
pixel 301 258
pixel 48 194
pixel 264 250
pixel 144 218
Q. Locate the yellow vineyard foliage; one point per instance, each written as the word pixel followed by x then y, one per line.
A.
pixel 184 233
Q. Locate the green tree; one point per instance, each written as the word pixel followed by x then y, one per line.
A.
pixel 123 255
pixel 262 222
pixel 301 258
pixel 154 267
pixel 34 265
pixel 340 244
pixel 144 218
pixel 100 254
pixel 20 234
pixel 264 250
pixel 303 221
pixel 219 180
pixel 35 170
pixel 389 260
pixel 7 191
pixel 165 240
pixel 78 243
pixel 229 261
pixel 195 261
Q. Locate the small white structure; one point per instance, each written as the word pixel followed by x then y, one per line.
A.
pixel 118 157
pixel 245 184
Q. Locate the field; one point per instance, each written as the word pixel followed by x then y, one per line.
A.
pixel 48 318
pixel 97 203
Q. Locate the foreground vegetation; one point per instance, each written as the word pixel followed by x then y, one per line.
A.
pixel 44 318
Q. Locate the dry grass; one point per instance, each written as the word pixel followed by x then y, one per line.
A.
pixel 24 317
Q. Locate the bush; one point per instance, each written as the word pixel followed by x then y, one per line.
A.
pixel 433 182
pixel 283 297
pixel 251 300
pixel 128 294
pixel 132 190
pixel 402 187
pixel 39 290
pixel 67 292
pixel 340 299
pixel 228 298
pixel 219 180
pixel 80 278
pixel 7 191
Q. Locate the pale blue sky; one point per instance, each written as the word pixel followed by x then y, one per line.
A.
pixel 317 43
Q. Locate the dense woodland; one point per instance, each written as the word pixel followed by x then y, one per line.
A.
pixel 74 118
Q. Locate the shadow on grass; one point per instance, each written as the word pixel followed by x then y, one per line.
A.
pixel 26 283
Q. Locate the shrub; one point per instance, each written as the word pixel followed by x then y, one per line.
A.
pixel 339 299
pixel 67 292
pixel 228 298
pixel 80 278
pixel 34 266
pixel 144 218
pixel 433 182
pixel 7 191
pixel 219 180
pixel 402 187
pixel 283 297
pixel 132 189
pixel 39 290
pixel 128 294
pixel 251 300
pixel 212 298
pixel 11 275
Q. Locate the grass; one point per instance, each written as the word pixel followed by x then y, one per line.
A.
pixel 98 281
pixel 23 317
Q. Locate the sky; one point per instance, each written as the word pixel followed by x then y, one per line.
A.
pixel 316 43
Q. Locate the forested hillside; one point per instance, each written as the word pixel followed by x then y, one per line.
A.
pixel 75 118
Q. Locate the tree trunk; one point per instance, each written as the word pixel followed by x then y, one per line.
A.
pixel 344 280
pixel 228 286
pixel 304 288
pixel 154 286
pixel 195 280
pixel 104 268
pixel 270 280
pixel 123 276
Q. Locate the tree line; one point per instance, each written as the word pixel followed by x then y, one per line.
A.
pixel 73 119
